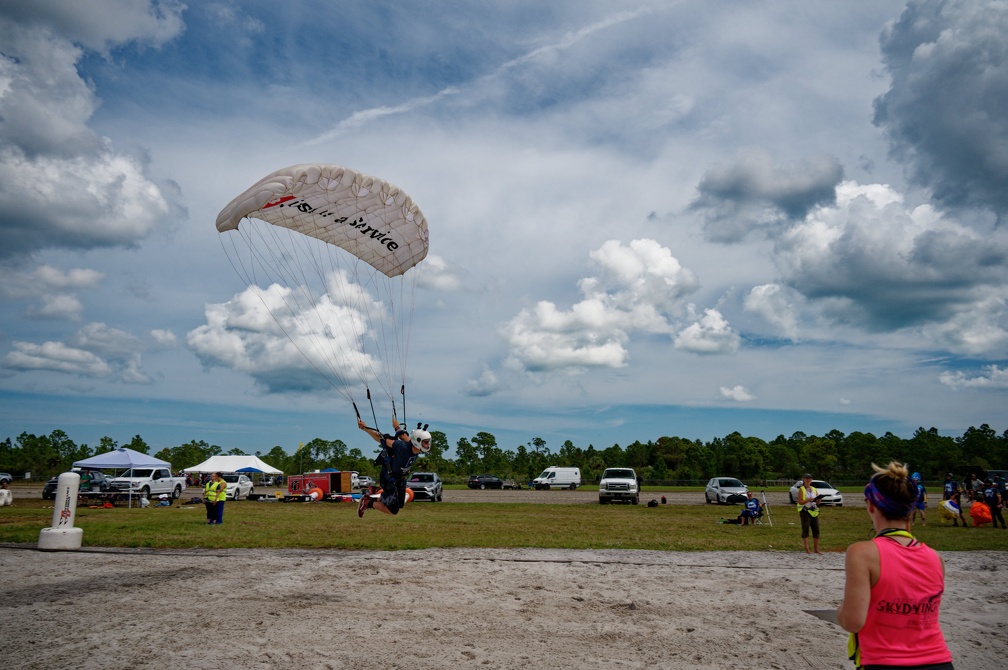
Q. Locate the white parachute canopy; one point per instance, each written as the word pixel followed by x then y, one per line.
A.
pixel 328 251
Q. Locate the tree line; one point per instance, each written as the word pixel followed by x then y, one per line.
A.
pixel 834 456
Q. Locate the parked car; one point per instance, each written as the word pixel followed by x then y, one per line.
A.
pixel 6 478
pixel 425 486
pixel 725 490
pixel 831 495
pixel 485 482
pixel 618 484
pixel 363 482
pixel 238 486
pixel 99 482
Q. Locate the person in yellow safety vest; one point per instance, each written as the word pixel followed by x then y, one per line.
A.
pixel 808 511
pixel 210 493
pixel 221 497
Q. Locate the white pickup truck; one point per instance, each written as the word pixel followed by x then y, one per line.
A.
pixel 149 482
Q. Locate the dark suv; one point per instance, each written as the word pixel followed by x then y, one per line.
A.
pixel 485 482
pixel 99 482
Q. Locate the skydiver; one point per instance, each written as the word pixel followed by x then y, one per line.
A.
pixel 398 454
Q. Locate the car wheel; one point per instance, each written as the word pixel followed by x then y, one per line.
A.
pixel 177 493
pixel 791 498
pixel 482 487
pixel 250 493
pixel 635 500
pixel 573 487
pixel 145 492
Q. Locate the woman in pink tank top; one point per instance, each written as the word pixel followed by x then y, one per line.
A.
pixel 894 584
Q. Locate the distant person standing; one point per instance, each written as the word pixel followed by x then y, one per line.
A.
pixel 6 497
pixel 221 497
pixel 210 490
pixel 808 512
pixel 994 501
pixel 976 488
pixel 894 584
pixel 921 503
pixel 950 487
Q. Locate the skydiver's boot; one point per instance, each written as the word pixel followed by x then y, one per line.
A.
pixel 365 504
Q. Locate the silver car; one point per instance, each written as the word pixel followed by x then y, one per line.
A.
pixel 425 486
pixel 725 490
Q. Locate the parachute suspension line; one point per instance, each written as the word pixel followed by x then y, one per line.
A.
pixel 274 270
pixel 298 299
pixel 373 415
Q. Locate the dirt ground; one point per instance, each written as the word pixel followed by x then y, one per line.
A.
pixel 457 608
pixel 100 608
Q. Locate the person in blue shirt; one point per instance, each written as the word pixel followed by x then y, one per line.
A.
pixel 398 454
pixel 752 511
pixel 921 504
pixel 994 501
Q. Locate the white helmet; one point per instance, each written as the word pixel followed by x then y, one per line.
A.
pixel 421 440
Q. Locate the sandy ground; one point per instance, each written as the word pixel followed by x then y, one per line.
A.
pixel 455 609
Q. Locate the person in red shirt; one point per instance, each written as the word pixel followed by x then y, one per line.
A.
pixel 892 613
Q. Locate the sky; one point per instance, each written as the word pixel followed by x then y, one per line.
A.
pixel 646 218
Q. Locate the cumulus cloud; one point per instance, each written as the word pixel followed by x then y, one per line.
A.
pixel 62 185
pixel 870 260
pixel 95 351
pixel 737 393
pixel 752 193
pixel 284 343
pixel 435 274
pixel 636 289
pixel 944 113
pixel 776 304
pixel 50 290
pixel 486 384
pixel 708 334
pixel 992 377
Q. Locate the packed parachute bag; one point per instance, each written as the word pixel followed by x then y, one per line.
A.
pixel 980 512
pixel 948 511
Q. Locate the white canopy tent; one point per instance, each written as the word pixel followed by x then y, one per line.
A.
pixel 234 464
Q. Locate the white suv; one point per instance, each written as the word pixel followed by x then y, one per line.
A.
pixel 618 484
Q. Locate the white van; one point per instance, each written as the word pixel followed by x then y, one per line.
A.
pixel 558 478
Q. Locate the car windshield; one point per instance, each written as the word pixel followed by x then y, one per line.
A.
pixel 731 483
pixel 231 479
pixel 618 474
pixel 141 472
pixel 422 478
pixel 820 485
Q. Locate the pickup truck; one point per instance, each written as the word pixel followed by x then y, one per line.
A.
pixel 618 484
pixel 149 481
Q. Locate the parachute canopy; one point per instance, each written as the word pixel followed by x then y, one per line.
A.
pixel 328 251
pixel 369 217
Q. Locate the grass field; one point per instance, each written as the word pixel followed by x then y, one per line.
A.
pixel 250 524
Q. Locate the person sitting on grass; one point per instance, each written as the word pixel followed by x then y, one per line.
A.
pixel 753 510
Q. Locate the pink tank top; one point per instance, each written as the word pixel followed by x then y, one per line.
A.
pixel 902 623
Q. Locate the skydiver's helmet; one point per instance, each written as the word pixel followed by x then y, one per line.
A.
pixel 421 440
pixel 916 477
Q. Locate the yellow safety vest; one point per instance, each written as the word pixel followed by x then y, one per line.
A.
pixel 212 491
pixel 808 496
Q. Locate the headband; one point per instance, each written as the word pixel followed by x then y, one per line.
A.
pixel 889 508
